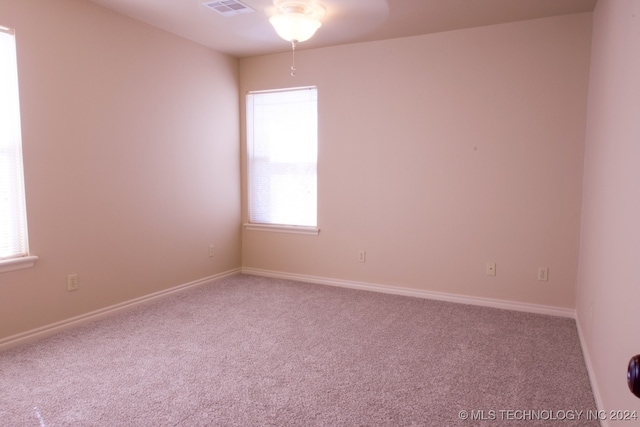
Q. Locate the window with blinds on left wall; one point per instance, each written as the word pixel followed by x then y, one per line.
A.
pixel 14 241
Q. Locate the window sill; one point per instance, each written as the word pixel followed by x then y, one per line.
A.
pixel 17 263
pixel 292 229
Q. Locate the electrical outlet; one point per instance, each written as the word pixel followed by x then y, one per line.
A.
pixel 543 274
pixel 72 282
pixel 491 269
pixel 212 250
pixel 362 256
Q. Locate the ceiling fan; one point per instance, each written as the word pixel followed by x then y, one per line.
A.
pixel 296 21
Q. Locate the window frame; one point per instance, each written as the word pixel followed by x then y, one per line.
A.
pixel 263 226
pixel 21 259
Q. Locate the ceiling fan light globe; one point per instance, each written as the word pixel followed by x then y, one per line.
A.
pixel 295 26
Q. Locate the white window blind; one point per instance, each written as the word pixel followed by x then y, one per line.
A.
pixel 13 217
pixel 282 137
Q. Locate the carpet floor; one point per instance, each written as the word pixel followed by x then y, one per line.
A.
pixel 255 351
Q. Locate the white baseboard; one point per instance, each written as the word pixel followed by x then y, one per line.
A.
pixel 48 330
pixel 592 376
pixel 396 290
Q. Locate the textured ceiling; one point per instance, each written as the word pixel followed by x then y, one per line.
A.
pixel 347 21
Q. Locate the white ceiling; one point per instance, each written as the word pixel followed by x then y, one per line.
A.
pixel 346 21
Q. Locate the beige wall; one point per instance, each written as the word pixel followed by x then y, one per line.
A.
pixel 439 153
pixel 609 278
pixel 130 139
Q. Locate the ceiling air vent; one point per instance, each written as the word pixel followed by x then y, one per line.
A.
pixel 228 7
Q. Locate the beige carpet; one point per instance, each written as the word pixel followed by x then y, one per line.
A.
pixel 252 351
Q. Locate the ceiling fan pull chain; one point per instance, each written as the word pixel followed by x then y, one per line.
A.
pixel 293 58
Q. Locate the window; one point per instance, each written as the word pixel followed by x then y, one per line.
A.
pixel 282 139
pixel 14 251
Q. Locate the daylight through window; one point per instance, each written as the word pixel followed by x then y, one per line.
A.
pixel 282 137
pixel 13 218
